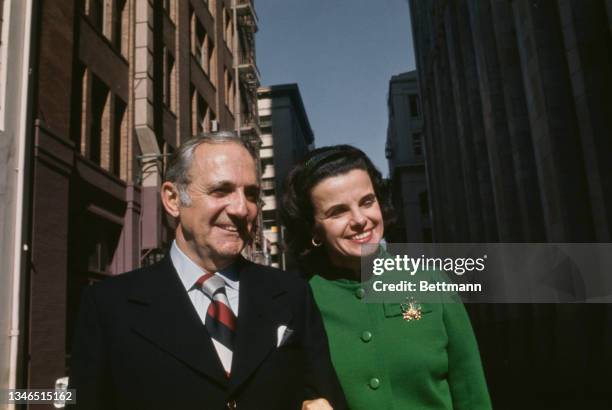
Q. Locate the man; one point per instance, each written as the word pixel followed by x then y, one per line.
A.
pixel 204 328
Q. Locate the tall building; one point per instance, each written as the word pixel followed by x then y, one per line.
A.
pixel 406 155
pixel 116 86
pixel 518 103
pixel 286 137
pixel 517 108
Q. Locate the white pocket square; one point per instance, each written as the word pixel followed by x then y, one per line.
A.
pixel 282 334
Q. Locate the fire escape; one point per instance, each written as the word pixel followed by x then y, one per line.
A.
pixel 248 120
pixel 247 70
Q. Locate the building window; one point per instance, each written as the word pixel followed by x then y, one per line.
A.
pixel 200 42
pixel 202 111
pixel 120 135
pixel 202 116
pixel 120 27
pixel 247 114
pixel 202 47
pixel 213 126
pixel 229 89
pixel 103 125
pixel 99 130
pixel 388 150
pixel 417 143
pixel 95 12
pixel 169 81
pixel 100 245
pixel 110 18
pixel 228 28
pixel 424 203
pixel 427 235
pixel 209 65
pixel 414 106
pixel 170 8
pixel 265 121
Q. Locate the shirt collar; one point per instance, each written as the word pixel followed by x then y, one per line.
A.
pixel 189 272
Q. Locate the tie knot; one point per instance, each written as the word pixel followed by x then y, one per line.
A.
pixel 211 284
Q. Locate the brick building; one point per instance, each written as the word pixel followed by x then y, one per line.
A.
pixel 116 86
pixel 517 106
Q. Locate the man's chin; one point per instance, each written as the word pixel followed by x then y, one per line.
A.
pixel 230 250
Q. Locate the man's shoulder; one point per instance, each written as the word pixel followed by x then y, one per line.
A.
pixel 287 279
pixel 121 284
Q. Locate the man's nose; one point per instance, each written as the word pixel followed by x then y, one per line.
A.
pixel 238 205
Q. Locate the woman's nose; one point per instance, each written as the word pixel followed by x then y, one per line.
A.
pixel 358 218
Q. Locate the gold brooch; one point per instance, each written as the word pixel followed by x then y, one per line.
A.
pixel 411 310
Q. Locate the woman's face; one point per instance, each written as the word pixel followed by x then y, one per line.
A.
pixel 347 215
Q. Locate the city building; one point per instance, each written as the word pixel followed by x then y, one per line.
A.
pixel 116 86
pixel 517 106
pixel 405 152
pixel 286 137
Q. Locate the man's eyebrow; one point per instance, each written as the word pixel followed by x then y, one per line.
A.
pixel 224 184
pixel 227 184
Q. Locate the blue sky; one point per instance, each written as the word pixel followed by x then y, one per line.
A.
pixel 342 54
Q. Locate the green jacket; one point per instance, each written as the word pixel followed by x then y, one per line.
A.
pixel 386 362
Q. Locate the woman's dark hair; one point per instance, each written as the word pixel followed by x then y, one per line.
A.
pixel 297 210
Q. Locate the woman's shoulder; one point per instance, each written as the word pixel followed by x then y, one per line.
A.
pixel 329 282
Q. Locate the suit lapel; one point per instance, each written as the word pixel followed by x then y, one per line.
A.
pixel 262 309
pixel 165 316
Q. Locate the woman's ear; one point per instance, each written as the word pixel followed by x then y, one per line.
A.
pixel 170 199
pixel 316 240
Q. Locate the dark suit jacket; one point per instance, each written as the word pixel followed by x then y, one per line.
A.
pixel 139 344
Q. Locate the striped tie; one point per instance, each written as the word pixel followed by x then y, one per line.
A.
pixel 220 319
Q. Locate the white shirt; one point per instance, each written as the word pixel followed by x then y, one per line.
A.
pixel 189 273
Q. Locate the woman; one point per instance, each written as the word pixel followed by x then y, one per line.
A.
pixel 334 202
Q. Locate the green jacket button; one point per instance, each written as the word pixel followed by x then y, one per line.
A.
pixel 360 293
pixel 366 336
pixel 374 383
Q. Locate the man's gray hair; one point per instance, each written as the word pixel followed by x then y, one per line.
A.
pixel 180 162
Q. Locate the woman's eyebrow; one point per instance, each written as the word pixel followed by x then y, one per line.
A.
pixel 334 207
pixel 371 195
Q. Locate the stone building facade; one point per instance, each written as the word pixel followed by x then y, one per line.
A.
pixel 517 104
pixel 518 97
pixel 406 155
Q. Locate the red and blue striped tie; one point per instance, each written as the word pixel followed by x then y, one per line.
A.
pixel 220 319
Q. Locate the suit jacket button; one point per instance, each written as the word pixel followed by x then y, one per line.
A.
pixel 231 404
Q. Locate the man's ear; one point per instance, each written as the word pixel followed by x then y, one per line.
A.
pixel 170 198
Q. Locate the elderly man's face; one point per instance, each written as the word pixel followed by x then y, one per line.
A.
pixel 224 193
